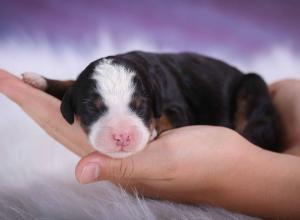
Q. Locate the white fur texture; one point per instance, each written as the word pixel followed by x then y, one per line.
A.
pixel 114 83
pixel 37 173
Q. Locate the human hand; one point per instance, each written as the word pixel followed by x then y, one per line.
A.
pixel 185 164
pixel 44 110
pixel 286 99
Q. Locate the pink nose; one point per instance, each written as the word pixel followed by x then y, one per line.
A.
pixel 122 139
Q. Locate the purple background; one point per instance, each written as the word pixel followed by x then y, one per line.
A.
pixel 242 28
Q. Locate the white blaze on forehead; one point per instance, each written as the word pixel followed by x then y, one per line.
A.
pixel 114 82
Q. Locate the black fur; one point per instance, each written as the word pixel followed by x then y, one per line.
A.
pixel 80 98
pixel 189 89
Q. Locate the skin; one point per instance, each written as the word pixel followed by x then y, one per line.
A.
pixel 217 165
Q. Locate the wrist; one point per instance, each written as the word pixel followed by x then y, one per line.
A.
pixel 234 157
pixel 263 183
pixel 240 179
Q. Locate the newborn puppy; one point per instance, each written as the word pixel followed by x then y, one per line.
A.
pixel 125 101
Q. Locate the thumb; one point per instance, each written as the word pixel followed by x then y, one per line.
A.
pixel 147 165
pixel 96 167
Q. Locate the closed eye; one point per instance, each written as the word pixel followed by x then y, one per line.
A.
pixel 137 102
pixel 138 105
pixel 97 103
pixel 92 104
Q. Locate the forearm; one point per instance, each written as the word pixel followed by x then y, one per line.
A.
pixel 263 184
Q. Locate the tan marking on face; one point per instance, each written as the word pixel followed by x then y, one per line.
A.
pixel 97 103
pixel 137 102
pixel 240 116
pixel 162 124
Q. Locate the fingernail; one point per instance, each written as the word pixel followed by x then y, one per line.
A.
pixel 89 173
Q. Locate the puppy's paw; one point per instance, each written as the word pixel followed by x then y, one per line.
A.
pixel 35 80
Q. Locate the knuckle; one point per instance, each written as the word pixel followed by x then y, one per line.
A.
pixel 122 169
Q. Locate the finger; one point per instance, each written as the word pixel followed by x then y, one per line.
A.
pixel 45 111
pixel 150 164
pixel 274 87
pixel 14 88
pixel 97 167
pixel 17 90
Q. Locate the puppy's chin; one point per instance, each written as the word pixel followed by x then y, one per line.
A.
pixel 120 154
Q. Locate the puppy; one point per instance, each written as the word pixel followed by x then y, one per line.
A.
pixel 127 100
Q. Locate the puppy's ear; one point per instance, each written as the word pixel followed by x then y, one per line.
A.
pixel 66 106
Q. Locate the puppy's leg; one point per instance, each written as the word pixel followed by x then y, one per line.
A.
pixel 255 117
pixel 56 88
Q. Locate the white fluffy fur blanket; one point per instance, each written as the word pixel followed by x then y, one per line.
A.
pixel 37 174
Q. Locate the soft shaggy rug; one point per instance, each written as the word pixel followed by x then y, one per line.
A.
pixel 37 174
